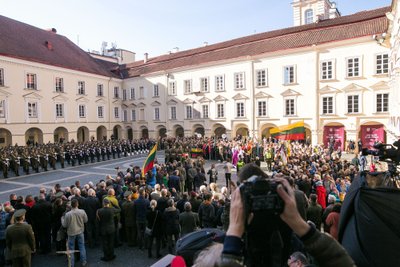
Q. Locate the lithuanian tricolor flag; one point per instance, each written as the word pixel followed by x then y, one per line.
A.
pixel 149 162
pixel 294 131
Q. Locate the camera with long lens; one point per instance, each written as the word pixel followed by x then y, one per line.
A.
pixel 267 237
pixel 260 195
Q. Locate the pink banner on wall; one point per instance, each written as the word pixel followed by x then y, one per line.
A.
pixel 335 133
pixel 372 133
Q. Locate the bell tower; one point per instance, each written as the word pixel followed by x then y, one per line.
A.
pixel 310 11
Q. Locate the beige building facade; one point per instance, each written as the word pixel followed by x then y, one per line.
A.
pixel 329 71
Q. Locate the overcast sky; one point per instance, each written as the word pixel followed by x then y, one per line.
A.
pixel 157 26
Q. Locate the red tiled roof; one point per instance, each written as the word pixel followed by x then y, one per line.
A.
pixel 347 27
pixel 23 41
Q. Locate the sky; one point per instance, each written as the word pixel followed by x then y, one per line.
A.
pixel 158 26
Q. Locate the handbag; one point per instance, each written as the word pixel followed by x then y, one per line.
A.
pixel 149 231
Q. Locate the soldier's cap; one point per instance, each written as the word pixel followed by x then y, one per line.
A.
pixel 19 213
pixel 128 193
pixel 59 194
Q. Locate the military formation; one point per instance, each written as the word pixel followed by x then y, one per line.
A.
pixel 37 158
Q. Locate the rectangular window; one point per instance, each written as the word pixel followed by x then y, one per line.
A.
pixel 116 112
pixel 2 108
pixel 31 81
pixel 289 107
pixel 133 115
pixel 205 111
pixel 59 110
pixel 188 86
pixel 239 80
pixel 133 93
pixel 189 112
pixel 100 112
pixel 240 110
pixel 382 64
pixel 261 78
pixel 124 95
pixel 125 115
pixel 156 92
pixel 352 104
pixel 326 70
pixel 219 83
pixel 32 110
pixel 353 67
pixel 141 114
pixel 173 113
pixel 157 114
pixel 116 92
pixel 81 88
pixel 100 90
pixel 82 111
pixel 382 102
pixel 262 108
pixel 327 105
pixel 220 111
pixel 141 92
pixel 289 75
pixel 1 77
pixel 204 85
pixel 59 85
pixel 172 88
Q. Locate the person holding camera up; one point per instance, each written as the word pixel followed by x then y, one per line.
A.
pixel 325 250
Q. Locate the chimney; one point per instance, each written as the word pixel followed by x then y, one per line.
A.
pixel 146 57
pixel 53 30
pixel 176 49
pixel 49 45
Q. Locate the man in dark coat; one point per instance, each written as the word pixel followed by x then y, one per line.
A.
pixel 173 181
pixel 188 220
pixel 41 214
pixel 128 211
pixel 207 213
pixel 20 240
pixel 91 205
pixel 107 228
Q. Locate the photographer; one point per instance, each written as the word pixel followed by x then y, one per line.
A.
pixel 322 247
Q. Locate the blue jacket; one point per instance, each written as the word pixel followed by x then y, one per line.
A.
pixel 141 206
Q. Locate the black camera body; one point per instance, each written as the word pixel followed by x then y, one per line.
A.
pixel 385 152
pixel 260 195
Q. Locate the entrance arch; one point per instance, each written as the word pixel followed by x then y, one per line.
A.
pixel 5 137
pixel 242 129
pixel 219 130
pixel 145 133
pixel 117 131
pixel 82 134
pixel 101 133
pixel 129 133
pixel 371 132
pixel 162 131
pixel 199 129
pixel 60 135
pixel 265 128
pixel 179 131
pixel 334 132
pixel 34 135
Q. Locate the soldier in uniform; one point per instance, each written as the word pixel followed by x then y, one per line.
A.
pixel 25 161
pixel 15 162
pixel 35 161
pixel 73 157
pixel 4 162
pixel 44 160
pixel 52 158
pixel 61 158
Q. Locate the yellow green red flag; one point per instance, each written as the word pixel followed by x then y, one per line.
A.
pixel 149 162
pixel 294 131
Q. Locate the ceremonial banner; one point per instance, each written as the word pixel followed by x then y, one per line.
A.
pixel 335 132
pixel 149 162
pixel 294 131
pixel 371 134
pixel 195 152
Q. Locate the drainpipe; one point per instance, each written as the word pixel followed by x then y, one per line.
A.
pixel 253 119
pixel 317 96
pixel 109 105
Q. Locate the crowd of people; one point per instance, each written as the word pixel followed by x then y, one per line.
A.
pixel 179 196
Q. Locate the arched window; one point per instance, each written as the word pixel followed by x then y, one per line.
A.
pixel 308 16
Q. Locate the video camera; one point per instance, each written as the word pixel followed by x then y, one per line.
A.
pixel 385 152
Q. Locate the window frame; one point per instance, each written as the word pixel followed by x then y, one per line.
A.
pixel 329 106
pixel 239 80
pixel 59 85
pixel 205 111
pixel 116 92
pixel 82 111
pixel 133 114
pixel 100 89
pixel 204 84
pixel 188 112
pixel 259 109
pixel 125 115
pixel 100 112
pixel 60 110
pixel 326 72
pixel 173 112
pixel 124 95
pixel 156 90
pixel 172 88
pixel 32 109
pixel 382 102
pixel 2 83
pixel 291 112
pixel 32 85
pixel 307 18
pixel 220 110
pixel 240 109
pixel 219 83
pixel 259 82
pixel 353 101
pixel 188 88
pixel 384 71
pixel 156 113
pixel 3 106
pixel 81 88
pixel 116 112
pixel 359 68
pixel 132 93
pixel 292 78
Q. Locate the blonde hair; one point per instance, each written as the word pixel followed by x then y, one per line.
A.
pixel 153 204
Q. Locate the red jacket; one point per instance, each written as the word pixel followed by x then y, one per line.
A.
pixel 321 195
